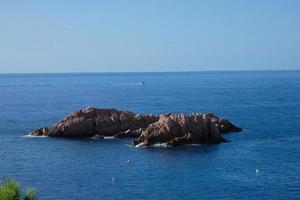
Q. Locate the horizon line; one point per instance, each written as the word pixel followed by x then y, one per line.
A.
pixel 127 72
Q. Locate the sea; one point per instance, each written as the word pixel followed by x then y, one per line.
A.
pixel 261 162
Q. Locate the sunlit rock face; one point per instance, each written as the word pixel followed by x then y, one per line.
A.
pixel 91 121
pixel 171 129
pixel 179 129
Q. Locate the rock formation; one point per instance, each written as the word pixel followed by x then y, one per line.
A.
pixel 171 129
pixel 195 128
pixel 98 122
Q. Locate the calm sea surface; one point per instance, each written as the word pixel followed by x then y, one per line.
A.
pixel 266 104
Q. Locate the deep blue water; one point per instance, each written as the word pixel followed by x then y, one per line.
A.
pixel 266 104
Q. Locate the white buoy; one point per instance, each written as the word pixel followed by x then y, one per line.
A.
pixel 128 161
pixel 113 178
pixel 257 171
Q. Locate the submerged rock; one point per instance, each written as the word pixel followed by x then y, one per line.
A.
pixel 171 129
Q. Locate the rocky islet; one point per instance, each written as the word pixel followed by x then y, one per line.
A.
pixel 147 130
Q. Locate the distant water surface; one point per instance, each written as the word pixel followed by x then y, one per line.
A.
pixel 266 104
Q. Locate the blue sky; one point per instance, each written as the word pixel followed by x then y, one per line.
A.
pixel 152 35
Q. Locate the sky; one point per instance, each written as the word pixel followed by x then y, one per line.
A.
pixel 148 35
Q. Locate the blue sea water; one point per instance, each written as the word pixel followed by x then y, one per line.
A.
pixel 265 104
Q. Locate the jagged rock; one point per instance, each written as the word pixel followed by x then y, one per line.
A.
pixel 171 129
pixel 91 121
pixel 185 129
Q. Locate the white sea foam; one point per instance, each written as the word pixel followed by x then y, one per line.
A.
pixel 140 145
pixel 165 145
pixel 34 136
pixel 157 145
pixel 105 138
pixel 109 137
pixel 160 145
